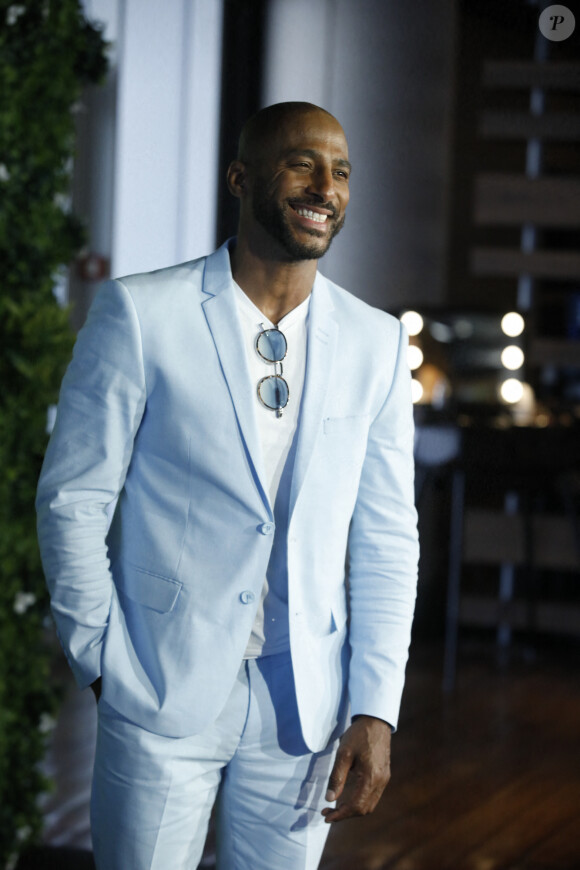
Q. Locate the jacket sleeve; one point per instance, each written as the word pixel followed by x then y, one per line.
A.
pixel 100 407
pixel 383 555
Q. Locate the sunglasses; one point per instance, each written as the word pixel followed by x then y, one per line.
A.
pixel 273 390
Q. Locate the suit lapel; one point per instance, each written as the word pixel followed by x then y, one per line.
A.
pixel 322 339
pixel 222 317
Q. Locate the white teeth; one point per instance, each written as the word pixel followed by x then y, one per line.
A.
pixel 311 215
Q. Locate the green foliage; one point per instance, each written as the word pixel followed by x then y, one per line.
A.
pixel 48 53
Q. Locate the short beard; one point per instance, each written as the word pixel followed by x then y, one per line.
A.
pixel 272 217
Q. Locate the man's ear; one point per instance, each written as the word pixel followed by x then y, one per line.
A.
pixel 237 177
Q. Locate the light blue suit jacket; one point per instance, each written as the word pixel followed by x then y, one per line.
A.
pixel 156 409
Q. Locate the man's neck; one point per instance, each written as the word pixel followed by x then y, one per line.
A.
pixel 275 287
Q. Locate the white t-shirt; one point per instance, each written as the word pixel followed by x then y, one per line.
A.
pixel 276 436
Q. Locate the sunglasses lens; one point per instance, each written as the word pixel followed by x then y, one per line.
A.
pixel 273 392
pixel 271 345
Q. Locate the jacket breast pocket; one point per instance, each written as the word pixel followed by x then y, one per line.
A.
pixel 346 427
pixel 343 445
pixel 150 590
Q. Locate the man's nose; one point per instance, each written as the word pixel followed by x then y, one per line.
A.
pixel 321 182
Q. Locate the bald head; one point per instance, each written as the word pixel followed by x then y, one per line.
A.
pixel 291 177
pixel 262 129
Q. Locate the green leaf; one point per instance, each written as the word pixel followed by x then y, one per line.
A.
pixel 48 53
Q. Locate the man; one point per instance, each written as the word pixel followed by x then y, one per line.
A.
pixel 252 420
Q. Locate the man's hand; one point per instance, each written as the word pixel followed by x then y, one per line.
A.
pixel 96 687
pixel 361 771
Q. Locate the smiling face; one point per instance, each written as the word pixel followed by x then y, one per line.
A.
pixel 295 184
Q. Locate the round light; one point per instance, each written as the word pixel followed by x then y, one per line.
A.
pixel 416 391
pixel 512 391
pixel 512 357
pixel 412 321
pixel 512 324
pixel 414 357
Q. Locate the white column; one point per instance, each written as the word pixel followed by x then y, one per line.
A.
pixel 167 132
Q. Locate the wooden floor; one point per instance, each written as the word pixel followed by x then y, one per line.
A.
pixel 486 779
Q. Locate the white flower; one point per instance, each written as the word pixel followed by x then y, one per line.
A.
pixel 60 286
pixel 62 201
pixel 4 174
pixel 23 833
pixel 23 601
pixel 47 723
pixel 12 861
pixel 14 12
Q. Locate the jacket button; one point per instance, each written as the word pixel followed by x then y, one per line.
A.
pixel 266 528
pixel 246 597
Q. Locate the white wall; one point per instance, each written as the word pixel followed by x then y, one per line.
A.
pixel 385 69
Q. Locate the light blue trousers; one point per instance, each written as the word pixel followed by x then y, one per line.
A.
pixel 153 795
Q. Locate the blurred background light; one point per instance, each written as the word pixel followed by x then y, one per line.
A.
pixel 512 357
pixel 512 324
pixel 416 391
pixel 412 321
pixel 441 332
pixel 512 391
pixel 414 356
